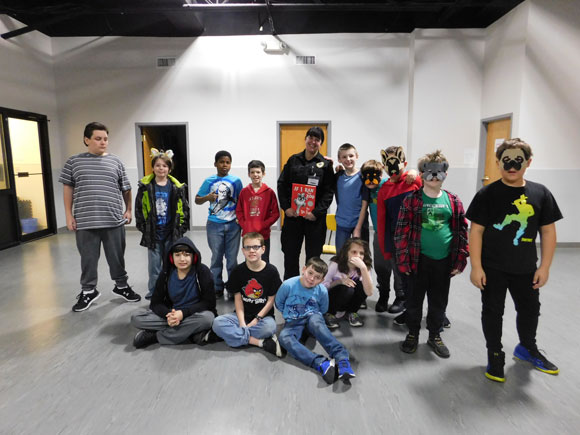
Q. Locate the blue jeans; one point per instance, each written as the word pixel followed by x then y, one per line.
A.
pixel 155 258
pixel 342 235
pixel 290 335
pixel 223 239
pixel 228 327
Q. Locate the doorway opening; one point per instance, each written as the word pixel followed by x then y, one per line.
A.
pixel 493 132
pixel 163 137
pixel 26 195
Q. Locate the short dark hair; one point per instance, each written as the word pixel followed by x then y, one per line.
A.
pixel 315 132
pixel 516 142
pixel 253 235
pixel 92 126
pixel 317 264
pixel 256 164
pixel 345 147
pixel 221 154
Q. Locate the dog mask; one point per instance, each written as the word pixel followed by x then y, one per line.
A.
pixel 371 176
pixel 394 163
pixel 434 170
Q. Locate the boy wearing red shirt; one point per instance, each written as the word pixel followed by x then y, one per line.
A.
pixel 257 208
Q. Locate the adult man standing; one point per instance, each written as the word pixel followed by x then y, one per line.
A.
pixel 97 203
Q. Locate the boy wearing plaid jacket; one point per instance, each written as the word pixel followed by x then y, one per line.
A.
pixel 431 247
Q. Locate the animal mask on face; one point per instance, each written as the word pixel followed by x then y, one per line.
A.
pixel 394 163
pixel 434 170
pixel 513 158
pixel 371 176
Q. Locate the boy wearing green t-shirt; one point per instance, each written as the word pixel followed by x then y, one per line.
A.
pixel 431 247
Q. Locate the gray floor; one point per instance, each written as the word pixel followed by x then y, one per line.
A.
pixel 75 373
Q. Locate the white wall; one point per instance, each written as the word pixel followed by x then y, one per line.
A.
pixel 232 94
pixel 446 102
pixel 425 90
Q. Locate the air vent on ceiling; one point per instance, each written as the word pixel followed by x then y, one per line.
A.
pixel 165 62
pixel 305 60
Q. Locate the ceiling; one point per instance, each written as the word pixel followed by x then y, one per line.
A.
pixel 187 18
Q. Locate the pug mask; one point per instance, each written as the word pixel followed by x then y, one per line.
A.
pixel 513 158
pixel 434 170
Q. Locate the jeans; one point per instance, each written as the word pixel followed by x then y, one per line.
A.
pixel 228 327
pixel 156 257
pixel 89 246
pixel 342 235
pixel 526 300
pixel 223 239
pixel 432 278
pixel 292 332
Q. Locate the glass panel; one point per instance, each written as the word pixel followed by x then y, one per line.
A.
pixel 25 146
pixel 4 181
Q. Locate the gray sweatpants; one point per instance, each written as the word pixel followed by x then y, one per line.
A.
pixel 166 334
pixel 89 246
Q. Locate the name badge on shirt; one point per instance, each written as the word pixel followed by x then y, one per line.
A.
pixel 313 181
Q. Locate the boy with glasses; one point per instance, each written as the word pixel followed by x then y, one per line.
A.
pixel 254 284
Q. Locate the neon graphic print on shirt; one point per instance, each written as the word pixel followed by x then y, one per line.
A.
pixel 433 217
pixel 525 211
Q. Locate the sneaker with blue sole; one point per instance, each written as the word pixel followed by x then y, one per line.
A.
pixel 538 360
pixel 327 370
pixel 345 371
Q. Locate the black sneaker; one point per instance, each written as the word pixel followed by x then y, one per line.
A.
pixel 398 306
pixel 401 319
pixel 382 305
pixel 446 325
pixel 438 346
pixel 495 363
pixel 538 360
pixel 85 300
pixel 145 338
pixel 272 345
pixel 410 344
pixel 355 320
pixel 127 293
pixel 331 321
pixel 328 371
pixel 219 294
pixel 363 306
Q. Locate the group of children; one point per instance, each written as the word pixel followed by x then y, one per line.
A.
pixel 420 237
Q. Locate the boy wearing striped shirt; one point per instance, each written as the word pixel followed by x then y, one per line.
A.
pixel 97 204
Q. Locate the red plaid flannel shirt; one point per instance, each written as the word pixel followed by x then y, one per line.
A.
pixel 408 233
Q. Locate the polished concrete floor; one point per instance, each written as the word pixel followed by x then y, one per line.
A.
pixel 78 373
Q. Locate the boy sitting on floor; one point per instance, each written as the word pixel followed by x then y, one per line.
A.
pixel 183 303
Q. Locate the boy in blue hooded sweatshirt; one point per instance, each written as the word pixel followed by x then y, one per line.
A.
pixel 183 303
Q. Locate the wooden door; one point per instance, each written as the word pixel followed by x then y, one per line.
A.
pixel 497 132
pixel 292 138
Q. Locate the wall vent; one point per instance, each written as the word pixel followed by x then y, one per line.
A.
pixel 305 60
pixel 165 62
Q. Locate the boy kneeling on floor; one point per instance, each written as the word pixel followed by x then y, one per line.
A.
pixel 183 303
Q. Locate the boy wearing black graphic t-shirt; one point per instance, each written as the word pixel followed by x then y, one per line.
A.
pixel 505 219
pixel 254 283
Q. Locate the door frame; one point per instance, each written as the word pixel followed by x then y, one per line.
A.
pixel 483 144
pixel 42 122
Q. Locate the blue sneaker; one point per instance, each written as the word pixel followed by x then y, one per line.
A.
pixel 345 370
pixel 327 370
pixel 538 360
